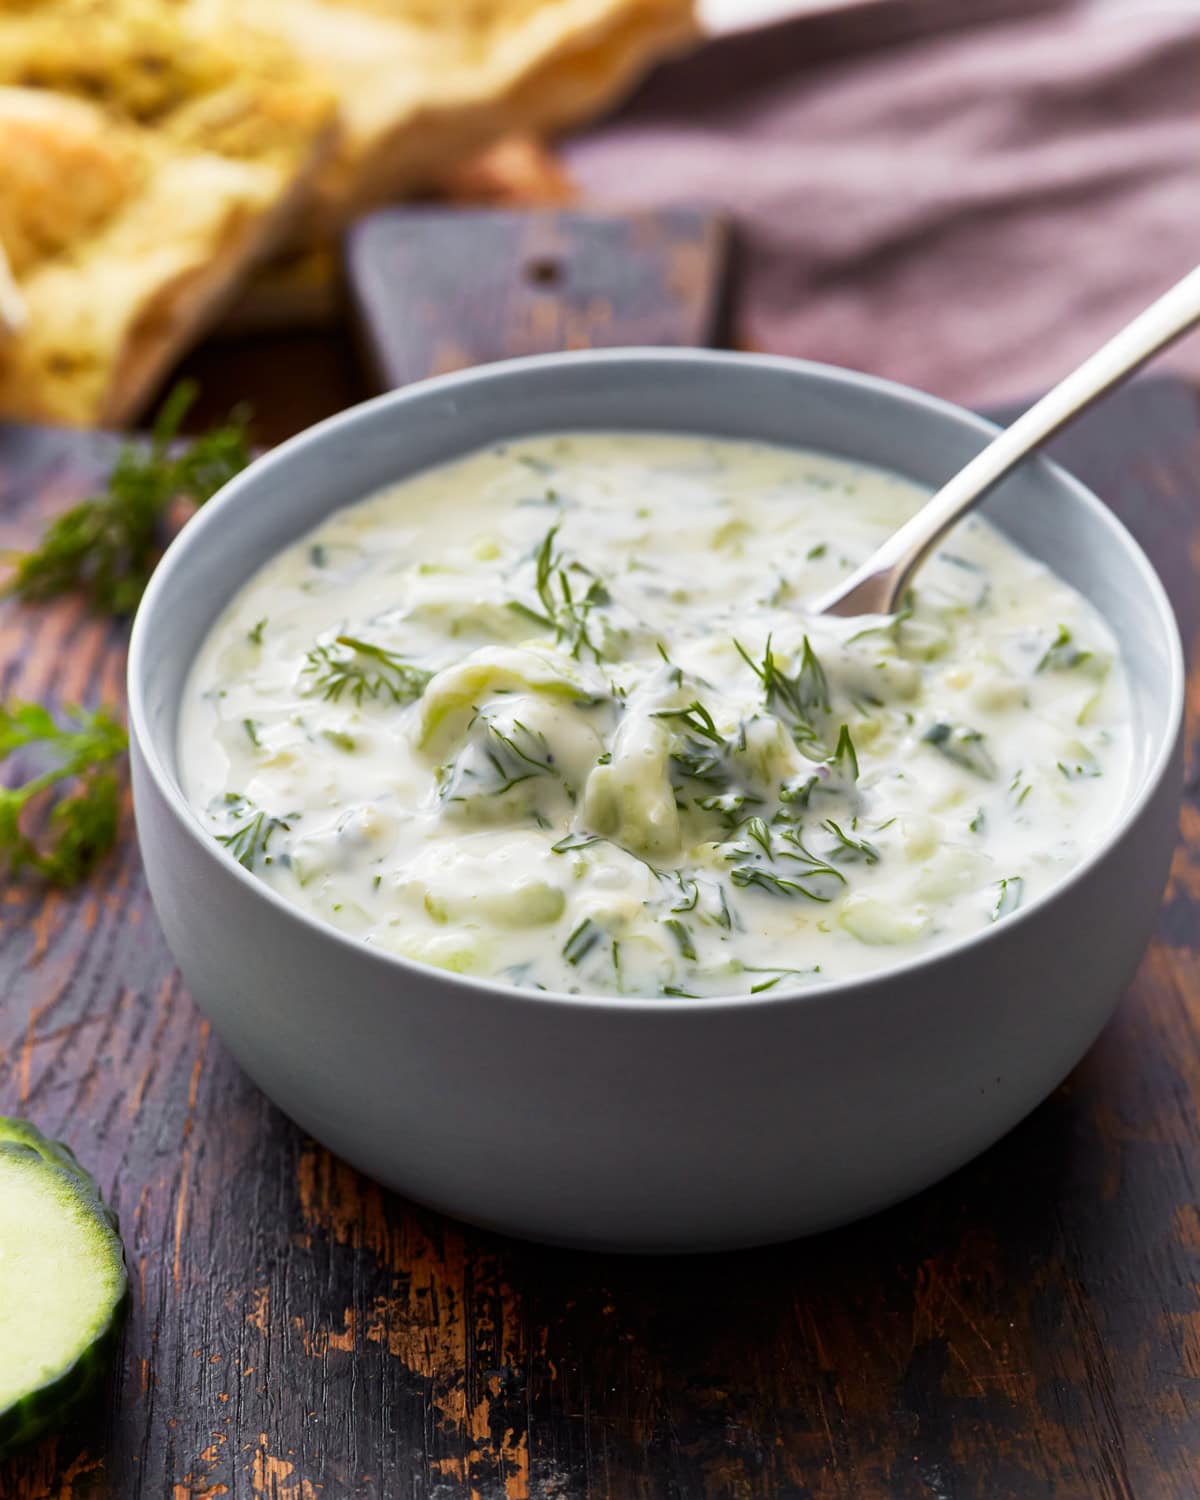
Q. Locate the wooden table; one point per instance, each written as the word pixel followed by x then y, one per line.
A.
pixel 1028 1328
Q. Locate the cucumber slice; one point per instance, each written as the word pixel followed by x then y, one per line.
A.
pixel 62 1282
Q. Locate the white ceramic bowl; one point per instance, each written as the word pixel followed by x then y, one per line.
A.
pixel 650 1124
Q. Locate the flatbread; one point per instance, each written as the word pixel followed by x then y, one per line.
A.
pixel 424 84
pixel 153 152
pixel 12 304
pixel 146 163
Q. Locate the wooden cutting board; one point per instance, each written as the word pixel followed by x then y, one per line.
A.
pixel 442 289
pixel 1030 1327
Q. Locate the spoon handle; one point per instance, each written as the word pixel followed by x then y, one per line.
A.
pixel 879 584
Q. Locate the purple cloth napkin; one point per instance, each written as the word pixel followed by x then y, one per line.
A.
pixel 971 212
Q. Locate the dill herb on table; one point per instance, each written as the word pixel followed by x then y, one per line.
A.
pixel 106 547
pixel 82 824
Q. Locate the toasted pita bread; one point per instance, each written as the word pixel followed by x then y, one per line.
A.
pixel 153 151
pixel 129 224
pixel 12 304
pixel 424 84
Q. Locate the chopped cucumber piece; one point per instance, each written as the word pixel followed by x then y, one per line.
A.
pixel 62 1282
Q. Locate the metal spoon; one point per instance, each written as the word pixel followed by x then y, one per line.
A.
pixel 878 586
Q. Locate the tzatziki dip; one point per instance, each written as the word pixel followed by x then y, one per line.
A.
pixel 554 715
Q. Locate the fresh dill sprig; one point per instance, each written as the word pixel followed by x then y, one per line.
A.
pixel 573 841
pixel 82 825
pixel 565 609
pixel 1082 765
pixel 845 757
pixel 496 760
pixel 582 941
pixel 965 747
pixel 730 806
pixel 778 976
pixel 758 832
pixel 363 670
pixel 798 789
pixel 689 890
pixel 700 755
pixel 849 850
pixel 682 936
pixel 776 885
pixel 106 546
pixel 797 695
pixel 249 844
pixel 1009 894
pixel 1063 655
pixel 696 718
pixel 889 625
pixel 760 865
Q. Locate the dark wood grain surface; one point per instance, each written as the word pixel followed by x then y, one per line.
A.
pixel 1028 1328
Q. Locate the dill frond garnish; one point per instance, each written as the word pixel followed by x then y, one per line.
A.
pixel 498 756
pixel 730 806
pixel 250 843
pixel 778 976
pixel 701 752
pixel 565 607
pixel 689 889
pixel 696 718
pixel 889 625
pixel 1063 654
pixel 1081 766
pixel 797 695
pixel 845 757
pixel 849 850
pixel 682 936
pixel 582 941
pixel 805 874
pixel 573 841
pixel 776 885
pixel 798 789
pixel 82 825
pixel 963 746
pixel 1009 894
pixel 106 546
pixel 518 754
pixel 363 670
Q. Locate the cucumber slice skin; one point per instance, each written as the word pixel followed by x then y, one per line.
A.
pixel 49 1404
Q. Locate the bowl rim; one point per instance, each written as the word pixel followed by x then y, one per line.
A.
pixel 212 514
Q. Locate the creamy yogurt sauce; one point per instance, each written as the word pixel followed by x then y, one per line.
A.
pixel 553 715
